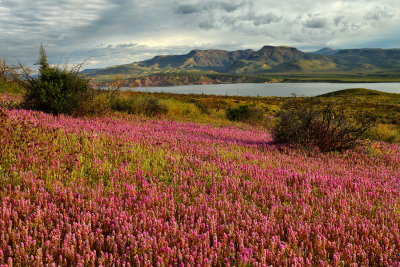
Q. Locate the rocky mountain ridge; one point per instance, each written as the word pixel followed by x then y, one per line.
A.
pixel 267 60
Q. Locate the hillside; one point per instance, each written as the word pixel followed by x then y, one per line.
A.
pixel 281 59
pixel 353 92
pixel 368 59
pixel 201 60
pixel 326 51
pixel 198 59
pixel 269 60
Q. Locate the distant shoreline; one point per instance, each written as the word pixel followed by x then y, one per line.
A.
pixel 265 90
pixel 177 80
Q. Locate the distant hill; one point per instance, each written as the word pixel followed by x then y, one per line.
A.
pixel 89 70
pixel 200 60
pixel 368 58
pixel 267 60
pixel 281 59
pixel 359 92
pixel 326 51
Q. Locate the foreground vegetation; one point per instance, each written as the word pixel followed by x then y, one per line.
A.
pixel 124 190
pixel 61 90
pixel 262 111
pixel 140 179
pixel 237 110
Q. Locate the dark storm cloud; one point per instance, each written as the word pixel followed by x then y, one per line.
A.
pixel 206 24
pixel 379 15
pixel 186 9
pixel 126 45
pixel 266 19
pixel 338 19
pixel 243 21
pixel 316 23
pixel 230 6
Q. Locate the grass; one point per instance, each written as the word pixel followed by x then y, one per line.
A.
pixel 11 88
pixel 384 106
pixel 385 132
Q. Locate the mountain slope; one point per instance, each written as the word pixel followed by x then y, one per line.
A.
pixel 326 51
pixel 368 58
pixel 267 60
pixel 201 60
pixel 281 59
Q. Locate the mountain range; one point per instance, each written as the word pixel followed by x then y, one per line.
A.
pixel 266 61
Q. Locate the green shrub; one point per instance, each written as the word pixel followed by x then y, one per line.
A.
pixel 212 103
pixel 248 114
pixel 145 105
pixel 97 104
pixel 309 123
pixel 238 114
pixel 123 103
pixel 150 106
pixel 385 132
pixel 199 105
pixel 55 90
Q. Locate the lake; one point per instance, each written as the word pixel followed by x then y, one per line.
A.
pixel 270 89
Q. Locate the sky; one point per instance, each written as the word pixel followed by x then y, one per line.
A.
pixel 111 32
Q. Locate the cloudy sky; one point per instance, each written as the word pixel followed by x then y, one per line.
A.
pixel 111 32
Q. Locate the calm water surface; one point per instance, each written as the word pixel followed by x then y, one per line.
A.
pixel 270 89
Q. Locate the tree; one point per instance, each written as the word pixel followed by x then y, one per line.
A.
pixel 7 72
pixel 55 90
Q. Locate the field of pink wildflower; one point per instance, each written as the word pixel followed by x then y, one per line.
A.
pixel 129 191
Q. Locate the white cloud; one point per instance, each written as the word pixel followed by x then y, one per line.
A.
pixel 134 30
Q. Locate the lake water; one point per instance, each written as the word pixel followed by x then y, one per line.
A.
pixel 270 89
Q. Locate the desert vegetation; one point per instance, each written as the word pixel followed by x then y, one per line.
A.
pixel 55 90
pixel 141 179
pixel 309 123
pixel 126 190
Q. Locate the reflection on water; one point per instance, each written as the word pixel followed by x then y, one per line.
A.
pixel 270 89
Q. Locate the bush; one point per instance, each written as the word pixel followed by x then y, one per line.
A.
pixel 55 90
pixel 8 78
pixel 248 114
pixel 199 105
pixel 145 105
pixel 309 123
pixel 151 106
pixel 97 104
pixel 385 132
pixel 238 114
